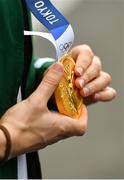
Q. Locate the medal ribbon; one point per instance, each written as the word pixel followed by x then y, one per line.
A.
pixel 60 34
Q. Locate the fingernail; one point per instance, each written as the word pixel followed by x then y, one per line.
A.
pixel 86 92
pixel 80 70
pixel 81 83
pixel 58 67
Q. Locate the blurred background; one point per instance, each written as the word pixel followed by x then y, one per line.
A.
pixel 100 153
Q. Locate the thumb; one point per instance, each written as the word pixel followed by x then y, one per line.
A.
pixel 49 83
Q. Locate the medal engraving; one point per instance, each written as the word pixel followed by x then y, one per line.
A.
pixel 68 99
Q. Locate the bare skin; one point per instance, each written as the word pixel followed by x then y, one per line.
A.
pixel 92 81
pixel 33 126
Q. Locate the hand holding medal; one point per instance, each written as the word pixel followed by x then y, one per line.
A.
pixel 68 99
pixel 83 77
pixel 68 96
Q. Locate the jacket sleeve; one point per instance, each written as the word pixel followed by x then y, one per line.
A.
pixel 37 68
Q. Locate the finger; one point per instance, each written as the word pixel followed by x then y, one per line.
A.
pixel 106 95
pixel 80 125
pixel 48 84
pixel 75 127
pixel 92 72
pixel 83 56
pixel 83 121
pixel 96 85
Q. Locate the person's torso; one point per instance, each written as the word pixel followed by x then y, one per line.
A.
pixel 15 58
pixel 11 51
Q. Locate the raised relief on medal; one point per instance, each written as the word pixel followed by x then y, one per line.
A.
pixel 68 100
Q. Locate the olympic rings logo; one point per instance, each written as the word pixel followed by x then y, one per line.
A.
pixel 65 47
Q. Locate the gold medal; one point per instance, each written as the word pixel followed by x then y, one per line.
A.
pixel 68 99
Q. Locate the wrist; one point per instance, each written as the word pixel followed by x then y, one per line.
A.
pixel 14 136
pixel 8 145
pixel 2 144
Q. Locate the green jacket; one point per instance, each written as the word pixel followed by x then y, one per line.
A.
pixel 16 69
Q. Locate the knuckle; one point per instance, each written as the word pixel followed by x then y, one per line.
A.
pixel 65 131
pixel 86 61
pixel 34 105
pixel 97 71
pixel 62 130
pixel 49 80
pixel 97 63
pixel 83 129
pixel 87 48
pixel 113 94
pixel 62 127
pixel 87 77
pixel 89 90
pixel 107 77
